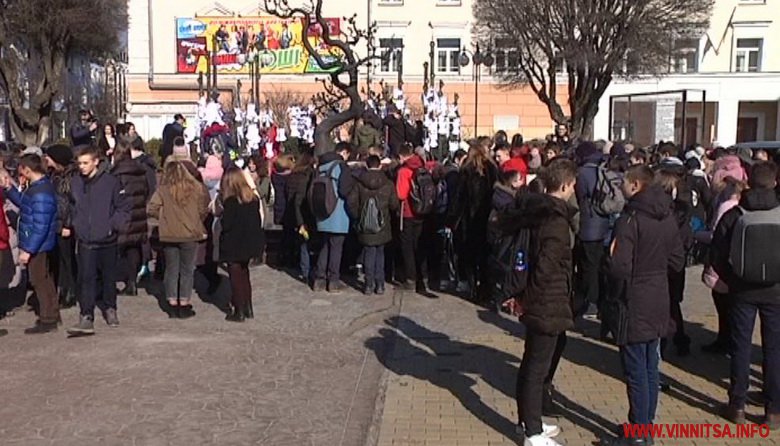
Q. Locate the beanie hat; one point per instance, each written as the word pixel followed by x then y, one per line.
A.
pixel 585 150
pixel 182 151
pixel 60 154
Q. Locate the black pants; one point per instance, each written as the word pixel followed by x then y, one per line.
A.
pixel 240 285
pixel 66 266
pixel 97 278
pixel 410 244
pixel 560 345
pixel 130 257
pixel 723 304
pixel 590 255
pixel 329 260
pixel 535 366
pixel 743 320
pixel 432 242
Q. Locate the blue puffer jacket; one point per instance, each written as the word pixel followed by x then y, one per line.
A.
pixel 338 221
pixel 37 216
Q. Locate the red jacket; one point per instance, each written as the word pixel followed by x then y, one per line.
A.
pixel 403 184
pixel 516 164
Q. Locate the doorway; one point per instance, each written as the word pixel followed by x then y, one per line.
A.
pixel 747 129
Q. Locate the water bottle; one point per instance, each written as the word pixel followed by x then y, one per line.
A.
pixel 520 264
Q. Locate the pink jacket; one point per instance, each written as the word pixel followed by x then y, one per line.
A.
pixel 213 170
pixel 728 166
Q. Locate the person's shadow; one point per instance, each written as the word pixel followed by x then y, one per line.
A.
pixel 413 350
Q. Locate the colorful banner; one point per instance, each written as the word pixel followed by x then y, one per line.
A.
pixel 276 44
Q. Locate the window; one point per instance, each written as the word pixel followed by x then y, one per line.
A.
pixel 448 52
pixel 749 55
pixel 394 49
pixel 685 56
pixel 391 2
pixel 507 56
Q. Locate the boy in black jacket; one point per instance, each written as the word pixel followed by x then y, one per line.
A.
pixel 546 300
pixel 645 247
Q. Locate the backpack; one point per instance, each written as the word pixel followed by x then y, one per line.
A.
pixel 424 192
pixel 442 198
pixel 371 219
pixel 322 194
pixel 607 198
pixel 754 254
pixel 509 264
pixel 216 145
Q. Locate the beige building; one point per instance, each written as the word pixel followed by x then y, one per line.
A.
pixel 406 29
pixel 731 67
pixel 730 79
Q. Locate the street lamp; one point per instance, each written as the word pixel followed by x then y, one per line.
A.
pixel 477 59
pixel 254 75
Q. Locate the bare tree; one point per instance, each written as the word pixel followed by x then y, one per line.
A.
pixel 279 101
pixel 587 42
pixel 340 102
pixel 37 37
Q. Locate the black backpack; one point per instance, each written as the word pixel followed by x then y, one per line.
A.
pixel 322 194
pixel 371 219
pixel 424 192
pixel 607 196
pixel 510 264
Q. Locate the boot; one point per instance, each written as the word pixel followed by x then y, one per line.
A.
pixel 368 288
pixel 185 312
pixel 733 414
pixel 131 289
pixel 42 327
pixel 249 312
pixel 380 288
pixel 236 316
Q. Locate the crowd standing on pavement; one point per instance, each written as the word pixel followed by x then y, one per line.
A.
pixel 550 231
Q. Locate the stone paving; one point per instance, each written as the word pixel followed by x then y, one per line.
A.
pixel 297 374
pixel 323 369
pixel 452 373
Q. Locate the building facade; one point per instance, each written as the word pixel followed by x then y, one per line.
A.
pixel 723 85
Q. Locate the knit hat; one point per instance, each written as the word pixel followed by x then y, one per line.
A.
pixel 182 151
pixel 32 150
pixel 745 155
pixel 585 150
pixel 60 154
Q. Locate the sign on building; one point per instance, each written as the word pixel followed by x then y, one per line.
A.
pixel 276 43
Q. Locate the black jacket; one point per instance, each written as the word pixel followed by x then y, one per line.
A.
pixel 242 234
pixel 646 246
pixel 135 189
pixel 62 182
pixel 297 185
pixel 282 212
pixel 374 183
pixel 396 133
pixel 150 170
pixel 547 298
pixel 80 135
pixel 471 206
pixel 170 132
pixel 98 209
pixel 752 200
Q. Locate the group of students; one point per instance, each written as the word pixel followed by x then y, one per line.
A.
pixel 81 219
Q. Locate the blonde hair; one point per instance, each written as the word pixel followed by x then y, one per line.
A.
pixel 234 184
pixel 179 180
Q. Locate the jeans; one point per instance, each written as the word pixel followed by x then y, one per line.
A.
pixel 240 285
pixel 743 319
pixel 304 259
pixel 374 265
pixel 179 269
pixel 329 260
pixel 589 258
pixel 538 355
pixel 410 243
pixel 42 280
pixel 723 304
pixel 640 365
pixel 97 278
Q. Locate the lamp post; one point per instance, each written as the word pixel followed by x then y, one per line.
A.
pixel 477 59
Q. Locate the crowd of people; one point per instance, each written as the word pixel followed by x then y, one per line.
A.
pixel 550 231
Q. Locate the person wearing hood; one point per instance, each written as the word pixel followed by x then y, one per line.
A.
pixel 138 153
pixel 412 224
pixel 546 301
pixel 749 298
pixel 135 188
pixel 594 228
pixel 170 132
pixel 646 246
pixel 59 159
pixel 334 227
pixel 365 136
pixel 98 212
pixel 373 190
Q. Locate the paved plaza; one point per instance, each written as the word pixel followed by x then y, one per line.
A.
pixel 322 369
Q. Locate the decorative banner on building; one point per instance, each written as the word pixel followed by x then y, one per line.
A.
pixel 275 44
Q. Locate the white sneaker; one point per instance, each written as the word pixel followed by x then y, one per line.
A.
pixel 540 440
pixel 548 430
